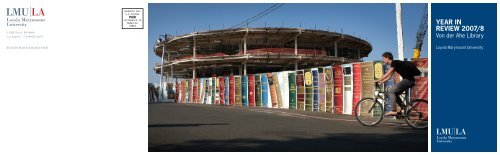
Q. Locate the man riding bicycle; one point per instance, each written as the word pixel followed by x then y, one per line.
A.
pixel 407 71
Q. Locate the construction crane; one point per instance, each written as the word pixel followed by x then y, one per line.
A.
pixel 422 30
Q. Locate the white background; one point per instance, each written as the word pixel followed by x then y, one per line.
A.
pixel 87 94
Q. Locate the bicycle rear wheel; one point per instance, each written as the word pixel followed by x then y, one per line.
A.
pixel 369 112
pixel 417 114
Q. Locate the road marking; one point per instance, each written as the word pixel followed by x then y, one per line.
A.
pixel 287 114
pixel 300 115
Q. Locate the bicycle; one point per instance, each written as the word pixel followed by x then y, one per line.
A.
pixel 370 111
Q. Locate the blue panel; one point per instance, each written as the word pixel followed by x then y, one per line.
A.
pixel 464 87
pixel 226 90
pixel 315 90
pixel 265 90
pixel 244 90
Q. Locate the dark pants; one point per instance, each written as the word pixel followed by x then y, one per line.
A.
pixel 395 91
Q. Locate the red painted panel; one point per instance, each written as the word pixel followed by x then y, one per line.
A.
pixel 251 91
pixel 356 69
pixel 337 92
pixel 231 90
pixel 221 88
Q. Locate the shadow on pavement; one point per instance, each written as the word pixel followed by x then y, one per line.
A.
pixel 181 125
pixel 344 142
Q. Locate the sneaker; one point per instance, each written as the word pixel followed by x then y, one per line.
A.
pixel 391 113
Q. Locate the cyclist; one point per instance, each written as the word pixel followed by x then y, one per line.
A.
pixel 406 71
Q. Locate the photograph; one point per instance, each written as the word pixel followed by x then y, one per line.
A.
pixel 288 77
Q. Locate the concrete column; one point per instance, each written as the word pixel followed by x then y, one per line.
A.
pixel 244 68
pixel 194 56
pixel 172 71
pixel 166 78
pixel 335 46
pixel 194 48
pixel 296 53
pixel 168 61
pixel 162 64
pixel 194 71
pixel 240 47
pixel 240 70
pixel 161 73
pixel 245 43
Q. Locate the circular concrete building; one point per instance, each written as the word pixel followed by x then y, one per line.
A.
pixel 256 50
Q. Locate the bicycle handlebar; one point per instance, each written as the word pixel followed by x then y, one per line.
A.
pixel 378 85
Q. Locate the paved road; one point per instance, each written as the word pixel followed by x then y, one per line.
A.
pixel 194 127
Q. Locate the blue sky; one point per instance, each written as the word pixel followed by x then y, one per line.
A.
pixel 374 22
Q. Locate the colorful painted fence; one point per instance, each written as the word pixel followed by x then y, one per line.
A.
pixel 331 89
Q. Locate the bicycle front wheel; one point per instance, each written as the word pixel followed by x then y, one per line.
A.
pixel 369 112
pixel 417 114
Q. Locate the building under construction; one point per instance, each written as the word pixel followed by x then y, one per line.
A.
pixel 284 68
pixel 244 51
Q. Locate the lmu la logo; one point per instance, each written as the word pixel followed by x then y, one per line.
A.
pixel 25 12
pixel 450 131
